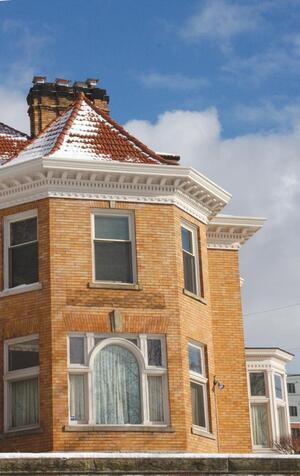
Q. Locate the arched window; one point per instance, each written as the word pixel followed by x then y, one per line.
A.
pixel 116 378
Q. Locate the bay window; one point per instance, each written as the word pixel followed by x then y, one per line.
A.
pixel 280 406
pixel 113 246
pixel 21 383
pixel 20 249
pixel 259 403
pixel 198 385
pixel 190 255
pixel 119 380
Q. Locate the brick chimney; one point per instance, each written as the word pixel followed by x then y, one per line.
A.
pixel 47 100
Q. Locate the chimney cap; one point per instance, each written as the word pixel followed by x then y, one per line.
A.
pixel 79 84
pixel 92 83
pixel 39 79
pixel 62 82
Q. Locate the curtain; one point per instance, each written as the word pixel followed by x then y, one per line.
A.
pixel 259 415
pixel 24 402
pixel 77 397
pixel 282 422
pixel 116 387
pixel 156 408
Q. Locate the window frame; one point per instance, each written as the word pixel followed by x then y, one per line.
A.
pixel 141 353
pixel 200 379
pixel 7 221
pixel 289 386
pixel 281 403
pixel 11 376
pixel 260 399
pixel 291 411
pixel 131 228
pixel 194 230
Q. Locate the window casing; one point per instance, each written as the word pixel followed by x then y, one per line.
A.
pixel 293 411
pixel 21 249
pixel 113 246
pixel 117 381
pixel 259 409
pixel 198 386
pixel 281 406
pixel 191 261
pixel 21 383
pixel 291 388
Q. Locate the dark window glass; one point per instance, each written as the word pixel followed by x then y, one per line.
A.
pixel 154 352
pixel 195 361
pixel 278 386
pixel 293 411
pixel 76 350
pixel 23 231
pixel 23 264
pixel 296 432
pixel 257 384
pixel 198 411
pixel 291 388
pixel 190 283
pixel 111 227
pixel 23 355
pixel 187 240
pixel 113 261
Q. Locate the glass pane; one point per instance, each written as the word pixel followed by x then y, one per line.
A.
pixel 257 384
pixel 23 231
pixel 77 350
pixel 282 422
pixel 24 402
pixel 113 262
pixel 154 352
pixel 189 273
pixel 117 387
pixel 23 265
pixel 156 399
pixel 291 388
pixel 112 227
pixel 278 386
pixel 134 341
pixel 77 398
pixel 198 410
pixel 260 424
pixel 195 360
pixel 187 240
pixel 23 355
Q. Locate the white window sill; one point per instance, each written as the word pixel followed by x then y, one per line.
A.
pixel 194 296
pixel 114 285
pixel 197 430
pixel 24 288
pixel 99 428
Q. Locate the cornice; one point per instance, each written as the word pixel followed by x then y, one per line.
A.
pixel 230 232
pixel 66 178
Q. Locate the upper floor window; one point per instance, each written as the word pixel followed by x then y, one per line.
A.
pixel 20 249
pixel 257 384
pixel 120 380
pixel 198 383
pixel 114 247
pixel 293 411
pixel 190 253
pixel 291 388
pixel 21 383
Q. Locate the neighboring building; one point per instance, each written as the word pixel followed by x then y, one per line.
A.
pixel 120 306
pixel 293 388
pixel 267 383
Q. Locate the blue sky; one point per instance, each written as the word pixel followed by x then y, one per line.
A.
pixel 216 81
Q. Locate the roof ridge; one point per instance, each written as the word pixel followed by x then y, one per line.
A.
pixel 127 134
pixel 76 106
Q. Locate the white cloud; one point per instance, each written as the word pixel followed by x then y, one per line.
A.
pixel 221 20
pixel 262 171
pixel 172 81
pixel 14 108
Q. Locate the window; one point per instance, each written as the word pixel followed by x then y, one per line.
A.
pixel 257 384
pixel 296 432
pixel 259 404
pixel 21 379
pixel 114 247
pixel 190 253
pixel 20 249
pixel 119 380
pixel 278 386
pixel 198 384
pixel 281 406
pixel 293 411
pixel 291 388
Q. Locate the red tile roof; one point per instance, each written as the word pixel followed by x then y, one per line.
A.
pixel 85 132
pixel 11 142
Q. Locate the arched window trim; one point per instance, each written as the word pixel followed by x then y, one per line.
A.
pixel 122 343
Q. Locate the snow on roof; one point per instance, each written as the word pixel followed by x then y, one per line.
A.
pixel 84 132
pixel 11 142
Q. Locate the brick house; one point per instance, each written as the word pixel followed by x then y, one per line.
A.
pixel 120 305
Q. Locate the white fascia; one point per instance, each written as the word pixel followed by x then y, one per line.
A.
pixel 230 232
pixel 263 353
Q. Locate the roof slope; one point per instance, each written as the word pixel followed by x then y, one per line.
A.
pixel 11 142
pixel 84 132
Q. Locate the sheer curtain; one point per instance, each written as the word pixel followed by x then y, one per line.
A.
pixel 156 407
pixel 259 414
pixel 77 397
pixel 117 387
pixel 24 402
